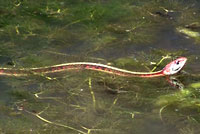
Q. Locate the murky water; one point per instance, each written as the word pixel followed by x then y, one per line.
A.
pixel 127 34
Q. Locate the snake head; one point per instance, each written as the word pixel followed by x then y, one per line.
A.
pixel 174 66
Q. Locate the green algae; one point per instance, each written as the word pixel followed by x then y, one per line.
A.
pixel 184 100
pixel 126 61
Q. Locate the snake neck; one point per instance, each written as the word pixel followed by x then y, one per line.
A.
pixel 151 74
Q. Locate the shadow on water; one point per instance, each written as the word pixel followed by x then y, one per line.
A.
pixel 127 34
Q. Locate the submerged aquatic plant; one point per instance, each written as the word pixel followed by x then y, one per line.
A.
pixel 185 102
pixel 189 33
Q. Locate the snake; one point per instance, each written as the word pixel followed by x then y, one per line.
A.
pixel 170 69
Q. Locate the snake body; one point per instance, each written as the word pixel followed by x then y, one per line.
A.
pixel 89 66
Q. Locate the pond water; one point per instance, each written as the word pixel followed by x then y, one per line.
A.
pixel 128 34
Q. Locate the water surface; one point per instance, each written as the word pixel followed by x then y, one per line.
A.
pixel 127 34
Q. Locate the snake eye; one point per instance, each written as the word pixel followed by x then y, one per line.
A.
pixel 177 63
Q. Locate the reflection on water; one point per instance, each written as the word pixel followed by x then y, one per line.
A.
pixel 125 34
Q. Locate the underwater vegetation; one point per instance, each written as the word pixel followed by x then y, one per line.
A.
pixel 138 35
pixel 189 33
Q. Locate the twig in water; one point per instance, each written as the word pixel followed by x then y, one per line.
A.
pixel 92 92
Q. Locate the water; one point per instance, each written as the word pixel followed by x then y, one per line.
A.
pixel 126 34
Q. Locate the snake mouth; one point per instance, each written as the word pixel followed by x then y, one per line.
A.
pixel 176 69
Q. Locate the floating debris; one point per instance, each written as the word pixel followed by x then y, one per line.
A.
pixel 188 32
